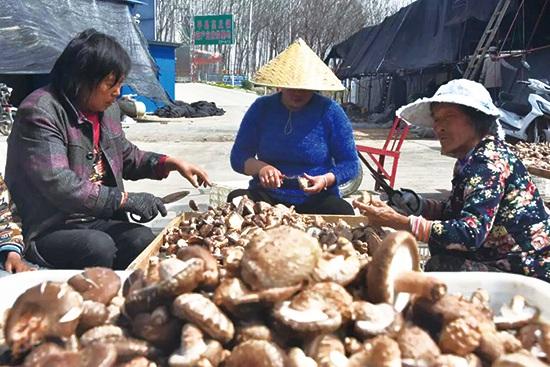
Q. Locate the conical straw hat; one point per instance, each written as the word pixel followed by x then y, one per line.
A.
pixel 298 67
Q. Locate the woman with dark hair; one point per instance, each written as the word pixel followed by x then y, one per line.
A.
pixel 495 219
pixel 67 158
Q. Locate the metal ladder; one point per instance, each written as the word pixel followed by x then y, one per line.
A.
pixel 486 39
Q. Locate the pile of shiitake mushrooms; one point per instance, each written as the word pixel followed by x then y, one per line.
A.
pixel 533 154
pixel 290 295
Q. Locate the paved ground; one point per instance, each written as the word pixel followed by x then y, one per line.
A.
pixel 207 142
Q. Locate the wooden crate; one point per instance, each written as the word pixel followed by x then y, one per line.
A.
pixel 142 260
pixel 539 172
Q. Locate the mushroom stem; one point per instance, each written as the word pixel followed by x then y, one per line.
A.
pixel 416 282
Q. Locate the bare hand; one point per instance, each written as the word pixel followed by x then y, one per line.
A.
pixel 270 177
pixel 14 263
pixel 194 174
pixel 381 214
pixel 316 183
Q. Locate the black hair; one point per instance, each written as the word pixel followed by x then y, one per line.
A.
pixel 482 123
pixel 85 62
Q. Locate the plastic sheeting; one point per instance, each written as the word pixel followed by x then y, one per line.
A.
pixel 421 35
pixel 33 33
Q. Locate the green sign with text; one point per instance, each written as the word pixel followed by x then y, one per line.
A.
pixel 213 29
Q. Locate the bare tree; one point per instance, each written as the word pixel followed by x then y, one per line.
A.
pixel 263 28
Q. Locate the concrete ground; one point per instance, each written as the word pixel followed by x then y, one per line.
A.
pixel 207 143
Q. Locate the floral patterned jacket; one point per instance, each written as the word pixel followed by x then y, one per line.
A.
pixel 495 214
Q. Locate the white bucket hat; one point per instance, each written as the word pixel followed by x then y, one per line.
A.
pixel 298 67
pixel 460 91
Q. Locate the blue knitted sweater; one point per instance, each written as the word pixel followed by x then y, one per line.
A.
pixel 315 140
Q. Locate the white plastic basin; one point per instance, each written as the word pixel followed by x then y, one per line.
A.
pixel 501 286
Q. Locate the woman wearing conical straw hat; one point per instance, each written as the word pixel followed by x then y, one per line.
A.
pixel 296 144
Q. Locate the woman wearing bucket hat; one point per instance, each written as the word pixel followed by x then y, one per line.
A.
pixel 495 219
pixel 296 133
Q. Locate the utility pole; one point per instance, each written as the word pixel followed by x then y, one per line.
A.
pixel 249 58
pixel 191 38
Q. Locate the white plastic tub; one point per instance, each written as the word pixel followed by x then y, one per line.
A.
pixel 501 286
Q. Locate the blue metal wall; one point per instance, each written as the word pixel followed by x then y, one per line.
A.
pixel 164 54
pixel 146 12
pixel 165 57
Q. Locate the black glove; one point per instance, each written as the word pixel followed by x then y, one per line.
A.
pixel 146 205
pixel 408 203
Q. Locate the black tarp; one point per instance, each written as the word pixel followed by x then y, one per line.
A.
pixel 417 36
pixel 33 33
pixel 427 44
pixel 428 33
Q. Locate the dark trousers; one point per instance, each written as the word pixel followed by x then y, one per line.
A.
pixel 109 243
pixel 494 92
pixel 321 203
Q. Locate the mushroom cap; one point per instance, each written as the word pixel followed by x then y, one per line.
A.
pixel 319 318
pixel 186 280
pixel 528 335
pixel 518 360
pixel 329 293
pixel 49 309
pixel 279 257
pixel 192 347
pixel 138 361
pixel 384 352
pixel 201 311
pixel 214 354
pixel 297 358
pixel 416 344
pixel 63 358
pixel 432 315
pixel 398 253
pixel 257 353
pixel 253 332
pixel 372 320
pixel 98 355
pixel 516 314
pixel 45 355
pixel 144 300
pixel 337 268
pixel 136 280
pixel 327 350
pixel 233 292
pixel 211 274
pixel 96 284
pixel 493 344
pixel 170 267
pixel 93 314
pixel 128 348
pixel 102 334
pixel 545 340
pixel 161 333
pixel 50 354
pixel 450 360
pixel 460 336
